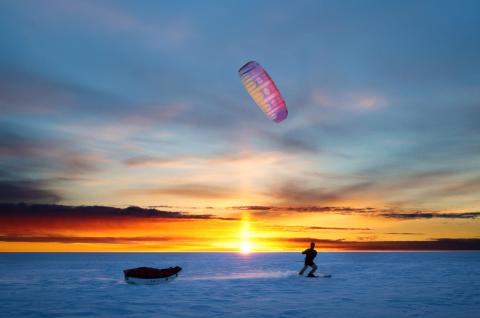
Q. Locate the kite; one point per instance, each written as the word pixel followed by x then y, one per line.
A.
pixel 263 91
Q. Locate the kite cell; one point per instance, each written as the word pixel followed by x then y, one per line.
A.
pixel 262 89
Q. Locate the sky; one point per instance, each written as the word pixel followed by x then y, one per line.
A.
pixel 125 103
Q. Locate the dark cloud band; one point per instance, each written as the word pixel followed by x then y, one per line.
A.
pixel 26 211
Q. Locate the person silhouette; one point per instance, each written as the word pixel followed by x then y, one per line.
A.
pixel 310 254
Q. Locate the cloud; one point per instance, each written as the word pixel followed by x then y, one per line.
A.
pixel 34 162
pixel 282 211
pixel 301 191
pixel 84 239
pixel 253 208
pixel 403 233
pixel 196 161
pixel 22 150
pixel 234 175
pixel 431 215
pixel 26 191
pixel 156 33
pixel 28 92
pixel 84 212
pixel 303 228
pixel 202 108
pixel 338 228
pixel 203 191
pixel 74 163
pixel 464 187
pixel 366 245
pixel 350 100
pixel 287 142
pixel 422 187
pixel 371 102
pixel 384 185
pixel 392 213
pixel 149 160
pixel 15 184
pixel 59 221
pixel 15 144
pixel 362 244
pixel 307 209
pixel 25 92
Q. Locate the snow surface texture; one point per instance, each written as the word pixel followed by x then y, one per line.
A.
pixel 236 285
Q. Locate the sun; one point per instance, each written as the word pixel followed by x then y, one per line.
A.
pixel 246 247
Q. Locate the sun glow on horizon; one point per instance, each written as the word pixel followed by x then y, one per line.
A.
pixel 245 243
pixel 246 247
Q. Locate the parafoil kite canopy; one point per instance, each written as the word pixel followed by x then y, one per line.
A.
pixel 263 90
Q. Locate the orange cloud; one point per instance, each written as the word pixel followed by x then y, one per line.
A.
pixel 98 228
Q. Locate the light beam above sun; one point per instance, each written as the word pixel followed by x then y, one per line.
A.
pixel 245 245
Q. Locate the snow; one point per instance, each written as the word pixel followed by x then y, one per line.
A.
pixel 441 284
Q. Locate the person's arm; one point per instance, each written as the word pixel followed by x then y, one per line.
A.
pixel 305 252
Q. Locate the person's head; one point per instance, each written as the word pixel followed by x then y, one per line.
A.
pixel 312 245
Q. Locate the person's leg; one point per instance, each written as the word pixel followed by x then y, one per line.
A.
pixel 314 268
pixel 303 269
